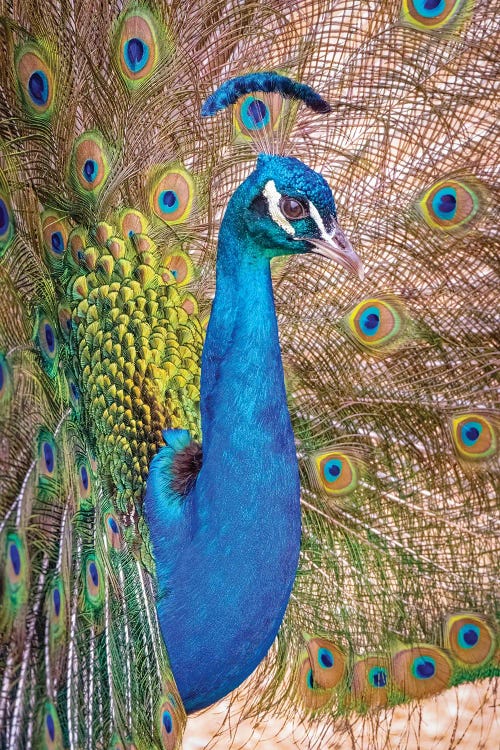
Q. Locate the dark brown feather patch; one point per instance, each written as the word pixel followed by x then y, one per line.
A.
pixel 186 467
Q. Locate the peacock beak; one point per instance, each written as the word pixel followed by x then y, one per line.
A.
pixel 337 247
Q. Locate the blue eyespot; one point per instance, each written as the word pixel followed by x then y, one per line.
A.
pixel 74 391
pixel 254 113
pixel 325 658
pixel 424 667
pixel 332 469
pixel 90 170
pixel 468 635
pixel 49 338
pixel 46 340
pixel 94 574
pixel 48 455
pixel 2 379
pixel 377 677
pixel 444 203
pixel 15 559
pixel 470 433
pixel 169 202
pixel 56 598
pixel 113 525
pixel 51 728
pixel 370 321
pixel 57 242
pixel 84 477
pixel 136 54
pixel 430 8
pixel 38 88
pixel 4 218
pixel 167 722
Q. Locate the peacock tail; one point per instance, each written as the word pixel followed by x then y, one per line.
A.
pixel 112 188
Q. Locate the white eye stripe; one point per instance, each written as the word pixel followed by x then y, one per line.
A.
pixel 319 221
pixel 273 198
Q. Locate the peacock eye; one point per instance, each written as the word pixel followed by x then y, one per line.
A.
pixel 294 208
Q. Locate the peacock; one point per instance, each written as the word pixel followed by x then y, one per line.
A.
pixel 249 412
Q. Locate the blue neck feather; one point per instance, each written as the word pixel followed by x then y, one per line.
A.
pixel 226 556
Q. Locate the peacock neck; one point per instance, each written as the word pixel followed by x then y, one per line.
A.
pixel 243 396
pixel 227 556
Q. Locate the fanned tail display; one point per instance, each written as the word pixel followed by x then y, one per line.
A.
pixel 124 131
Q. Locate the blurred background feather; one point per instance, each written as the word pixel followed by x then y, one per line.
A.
pixel 392 382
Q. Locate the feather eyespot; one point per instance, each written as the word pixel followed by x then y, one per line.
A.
pixel 294 208
pixel 474 436
pixel 56 611
pixel 130 222
pixel 65 319
pixel 50 339
pixel 74 392
pixel 432 15
pixel 15 558
pixel 376 324
pixel 328 663
pixel 35 79
pixel 377 677
pixel 6 223
pixel 112 529
pixel 77 242
pixel 56 600
pixel 370 680
pixel 46 340
pixel 90 163
pixel 172 196
pixel 15 573
pixel 258 114
pixel 311 695
pixel 421 670
pixel 84 478
pixel 52 728
pixel 168 724
pixel 450 204
pixel 137 46
pixel 94 584
pixel 55 235
pixel 470 639
pixel 335 472
pixel 178 267
pixel 47 454
pixel 254 113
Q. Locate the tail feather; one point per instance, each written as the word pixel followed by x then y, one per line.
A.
pixel 390 380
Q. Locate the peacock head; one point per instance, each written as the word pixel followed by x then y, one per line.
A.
pixel 286 208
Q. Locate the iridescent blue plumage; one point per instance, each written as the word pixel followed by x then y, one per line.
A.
pixel 227 553
pixel 232 90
